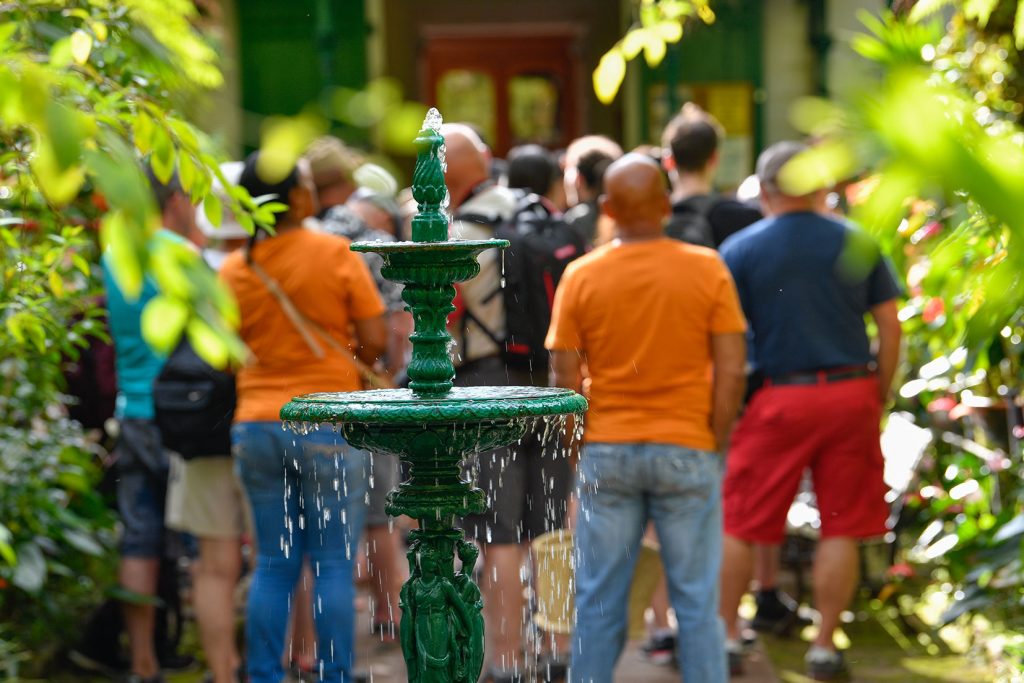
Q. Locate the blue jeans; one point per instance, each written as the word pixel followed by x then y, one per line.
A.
pixel 308 500
pixel 621 488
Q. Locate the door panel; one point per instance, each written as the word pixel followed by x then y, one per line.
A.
pixel 514 89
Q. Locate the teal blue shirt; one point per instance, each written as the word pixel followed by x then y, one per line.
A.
pixel 136 363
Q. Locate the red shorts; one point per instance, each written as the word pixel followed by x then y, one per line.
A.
pixel 831 428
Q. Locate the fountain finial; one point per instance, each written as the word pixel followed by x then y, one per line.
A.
pixel 432 121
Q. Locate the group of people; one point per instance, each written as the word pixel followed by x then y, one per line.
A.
pixel 689 309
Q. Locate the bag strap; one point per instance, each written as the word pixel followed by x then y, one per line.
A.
pixel 310 330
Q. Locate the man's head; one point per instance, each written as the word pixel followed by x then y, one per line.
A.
pixel 532 168
pixel 296 190
pixel 635 196
pixel 578 187
pixel 774 197
pixel 176 211
pixel 468 160
pixel 332 166
pixel 690 142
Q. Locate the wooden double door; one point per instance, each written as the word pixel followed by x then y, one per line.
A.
pixel 515 89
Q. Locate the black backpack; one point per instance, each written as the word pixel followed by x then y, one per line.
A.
pixel 690 223
pixel 194 404
pixel 541 245
pixel 707 220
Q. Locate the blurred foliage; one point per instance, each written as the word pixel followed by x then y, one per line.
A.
pixel 56 541
pixel 936 150
pixel 90 90
pixel 658 24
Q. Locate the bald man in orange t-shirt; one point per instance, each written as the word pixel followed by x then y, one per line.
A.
pixel 659 326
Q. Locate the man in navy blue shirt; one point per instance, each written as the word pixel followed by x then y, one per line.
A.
pixel 806 281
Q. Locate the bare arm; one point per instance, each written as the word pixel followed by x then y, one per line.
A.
pixel 371 339
pixel 886 316
pixel 566 370
pixel 729 356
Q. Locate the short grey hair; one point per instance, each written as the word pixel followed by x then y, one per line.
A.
pixel 771 161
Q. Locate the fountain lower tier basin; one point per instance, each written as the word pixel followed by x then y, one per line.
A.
pixel 434 435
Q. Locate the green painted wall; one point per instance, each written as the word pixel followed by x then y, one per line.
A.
pixel 290 50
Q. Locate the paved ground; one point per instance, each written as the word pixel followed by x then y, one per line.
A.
pixel 385 664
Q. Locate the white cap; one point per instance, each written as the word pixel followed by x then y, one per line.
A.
pixel 229 228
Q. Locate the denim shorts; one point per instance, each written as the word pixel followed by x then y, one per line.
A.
pixel 142 466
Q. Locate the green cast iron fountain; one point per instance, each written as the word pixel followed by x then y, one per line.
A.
pixel 434 427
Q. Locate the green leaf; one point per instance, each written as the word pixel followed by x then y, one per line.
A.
pixel 6 551
pixel 1018 27
pixel 213 209
pixel 81 46
pixel 81 264
pixel 926 7
pixel 7 30
pixel 207 343
pixel 84 542
pixel 186 171
pixel 143 129
pixel 162 158
pixel 186 134
pixel 30 572
pixel 163 320
pixel 56 284
pixel 60 53
pixel 608 75
pixel 118 243
pixel 980 10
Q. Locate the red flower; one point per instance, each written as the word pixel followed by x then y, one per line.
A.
pixel 901 571
pixel 933 310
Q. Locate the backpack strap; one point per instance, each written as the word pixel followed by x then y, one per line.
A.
pixel 312 333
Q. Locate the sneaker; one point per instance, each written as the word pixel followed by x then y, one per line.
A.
pixel 825 665
pixel 661 648
pixel 735 651
pixel 776 613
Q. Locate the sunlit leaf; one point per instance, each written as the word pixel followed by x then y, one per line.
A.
pixel 83 542
pixel 399 127
pixel 59 185
pixel 162 158
pixel 99 29
pixel 608 76
pixel 669 31
pixel 163 321
pixel 980 10
pixel 814 115
pixel 81 46
pixel 56 284
pixel 633 42
pixel 210 346
pixel 63 134
pixel 1018 27
pixel 923 8
pixel 118 243
pixel 60 53
pixel 213 209
pixel 7 30
pixel 283 141
pixel 821 166
pixel 654 50
pixel 143 133
pixel 186 171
